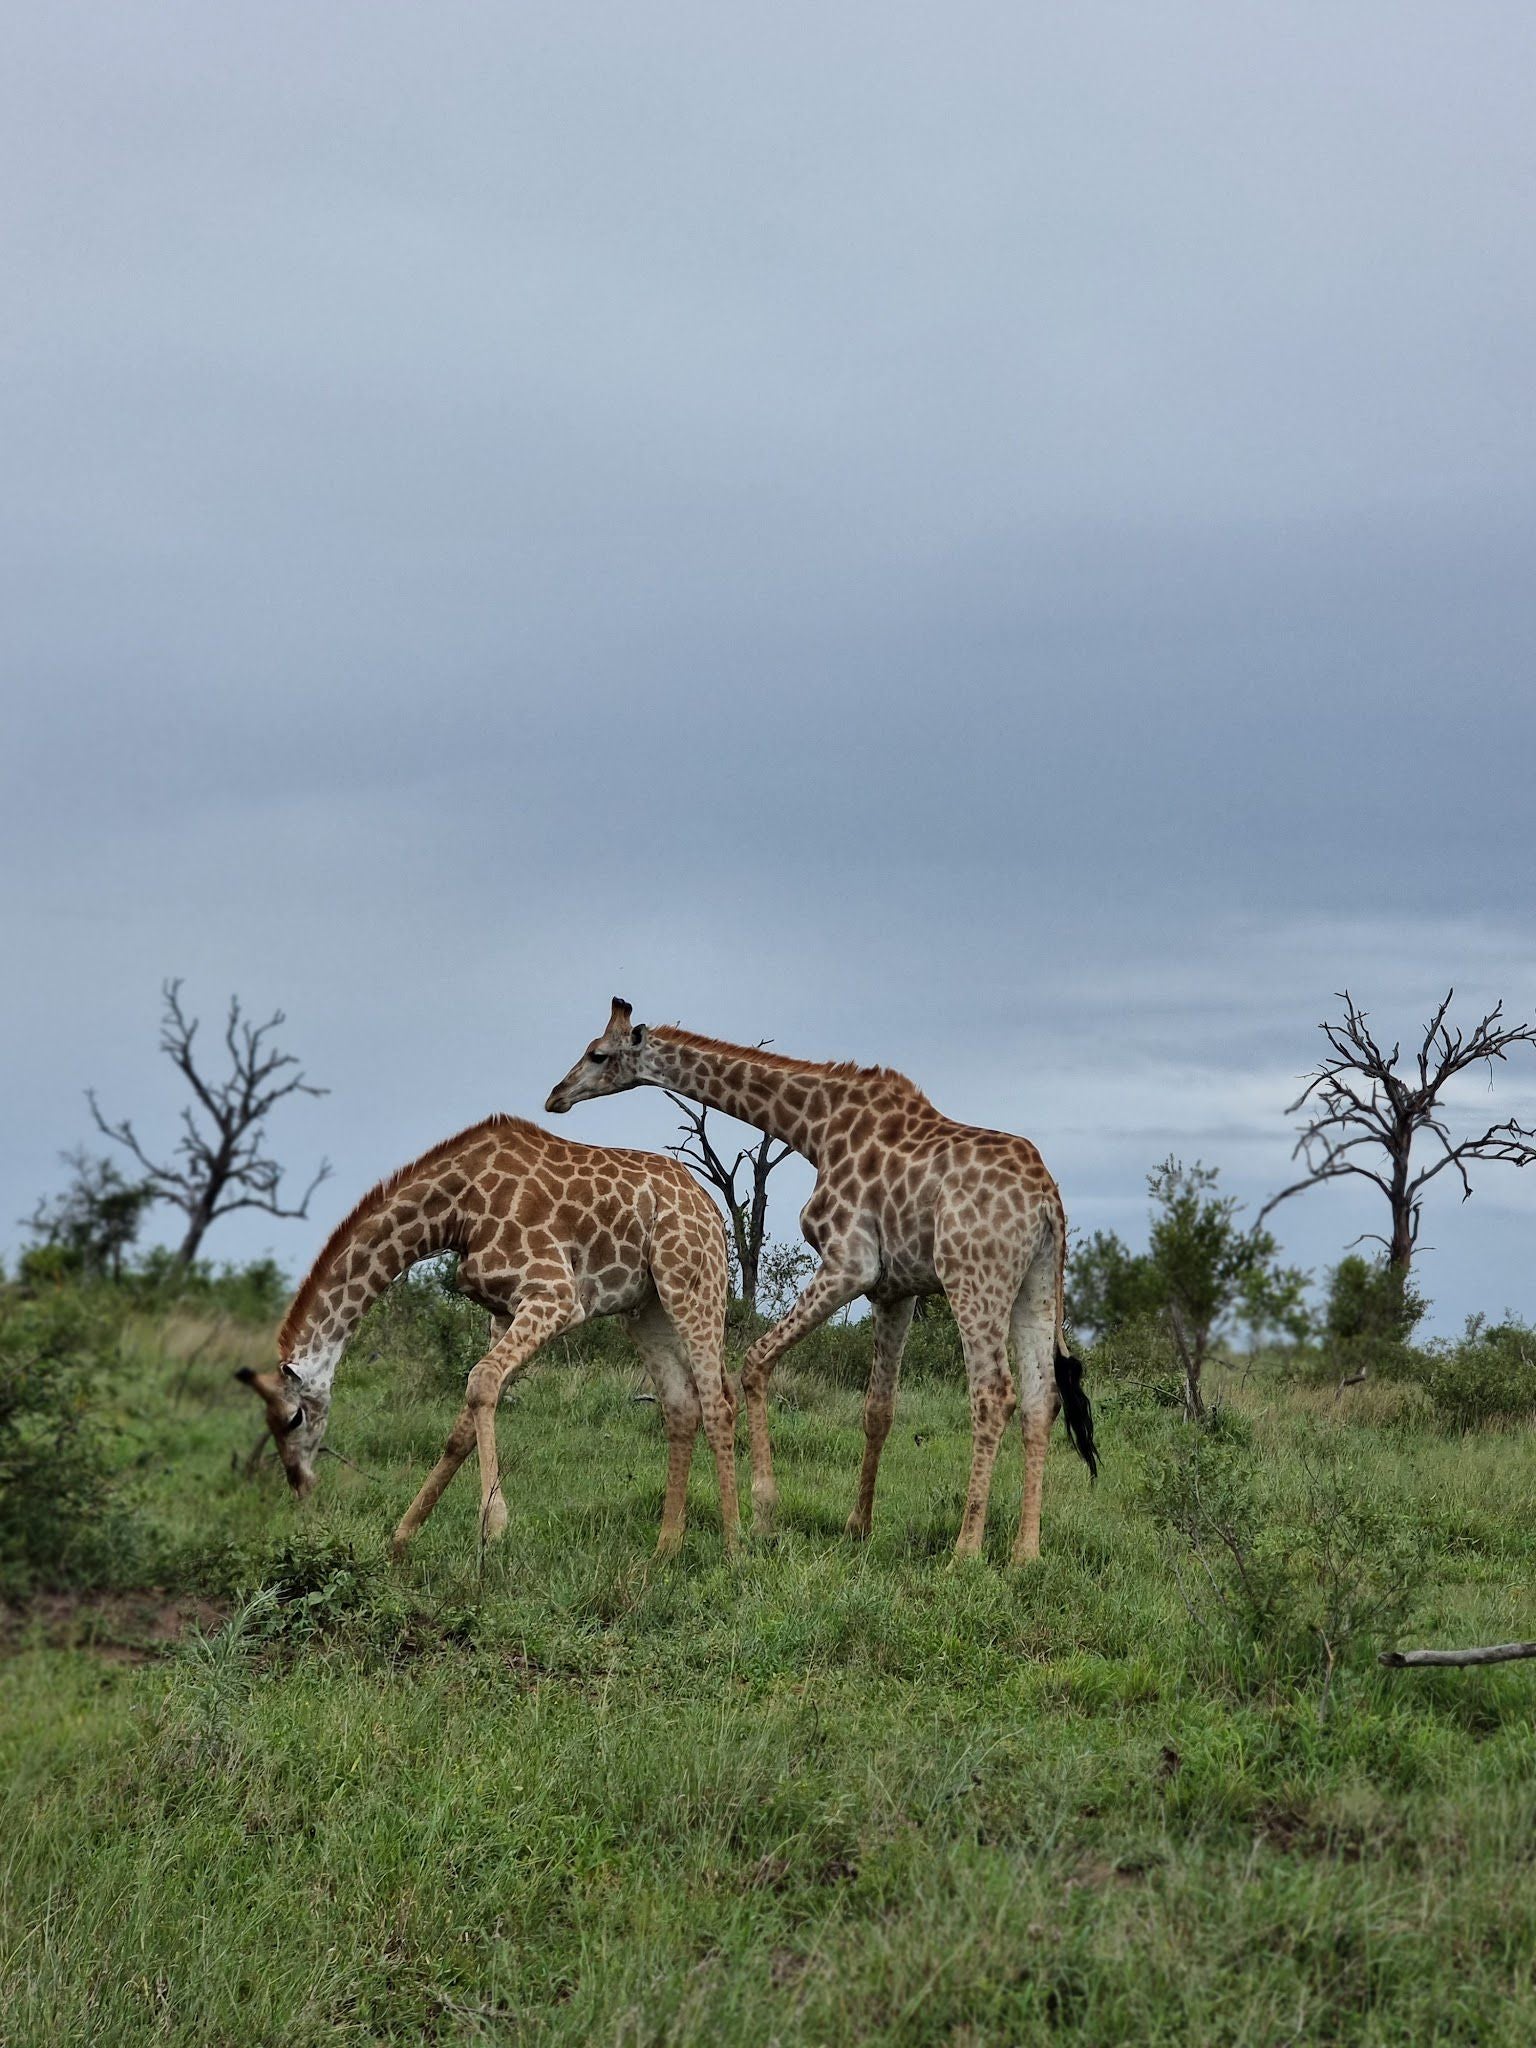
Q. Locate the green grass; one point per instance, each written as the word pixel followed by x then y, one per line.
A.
pixel 563 1793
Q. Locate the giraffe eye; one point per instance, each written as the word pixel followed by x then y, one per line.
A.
pixel 597 1057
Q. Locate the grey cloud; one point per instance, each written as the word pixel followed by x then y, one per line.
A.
pixel 993 542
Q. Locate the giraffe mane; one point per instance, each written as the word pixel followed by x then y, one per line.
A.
pixel 837 1070
pixel 375 1199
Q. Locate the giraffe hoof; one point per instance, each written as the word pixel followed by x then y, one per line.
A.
pixel 857 1527
pixel 668 1546
pixel 1023 1554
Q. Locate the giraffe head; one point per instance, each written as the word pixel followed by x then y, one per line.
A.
pixel 610 1063
pixel 297 1412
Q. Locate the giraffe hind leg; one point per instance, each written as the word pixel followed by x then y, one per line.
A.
pixel 981 1294
pixel 678 1398
pixel 892 1321
pixel 1034 1345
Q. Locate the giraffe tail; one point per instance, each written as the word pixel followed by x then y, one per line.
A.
pixel 1076 1408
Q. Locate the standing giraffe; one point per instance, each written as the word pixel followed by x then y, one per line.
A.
pixel 549 1233
pixel 906 1202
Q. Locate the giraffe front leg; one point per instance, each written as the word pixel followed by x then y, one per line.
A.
pixel 538 1319
pixel 460 1442
pixel 829 1290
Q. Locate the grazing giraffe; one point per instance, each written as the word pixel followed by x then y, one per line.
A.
pixel 548 1233
pixel 906 1203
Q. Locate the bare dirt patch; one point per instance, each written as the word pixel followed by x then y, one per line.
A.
pixel 124 1628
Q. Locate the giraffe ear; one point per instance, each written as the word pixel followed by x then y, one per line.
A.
pixel 618 1021
pixel 637 1036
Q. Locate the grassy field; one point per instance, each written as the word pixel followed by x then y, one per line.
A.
pixel 828 1794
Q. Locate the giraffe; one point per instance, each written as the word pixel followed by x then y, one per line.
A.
pixel 549 1233
pixel 906 1203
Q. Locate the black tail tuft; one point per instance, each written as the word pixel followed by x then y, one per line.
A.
pixel 1076 1409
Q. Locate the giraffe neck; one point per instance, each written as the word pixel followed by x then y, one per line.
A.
pixel 790 1100
pixel 359 1262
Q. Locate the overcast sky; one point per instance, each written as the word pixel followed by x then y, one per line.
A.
pixel 993 539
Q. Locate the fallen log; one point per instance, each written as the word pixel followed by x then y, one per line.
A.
pixel 1495 1653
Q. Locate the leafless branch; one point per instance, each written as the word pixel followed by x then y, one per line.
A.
pixel 219 1163
pixel 1358 1099
pixel 745 1200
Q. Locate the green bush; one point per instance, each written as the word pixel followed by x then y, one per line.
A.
pixel 62 1519
pixel 1139 1361
pixel 1369 1317
pixel 435 1337
pixel 424 1324
pixel 1487 1376
pixel 1284 1572
pixel 841 1353
pixel 254 1293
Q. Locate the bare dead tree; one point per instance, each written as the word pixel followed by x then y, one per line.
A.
pixel 746 1201
pixel 1365 1117
pixel 220 1163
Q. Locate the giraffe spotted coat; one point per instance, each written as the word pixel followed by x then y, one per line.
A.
pixel 907 1202
pixel 549 1232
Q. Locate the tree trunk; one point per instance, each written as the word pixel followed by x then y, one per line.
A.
pixel 1400 1250
pixel 747 1256
pixel 1194 1401
pixel 198 1221
pixel 187 1250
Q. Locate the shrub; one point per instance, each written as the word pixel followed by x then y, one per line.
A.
pixel 62 1520
pixel 1110 1288
pixel 1488 1375
pixel 1369 1316
pixel 1139 1361
pixel 1284 1572
pixel 425 1324
pixel 254 1293
pixel 841 1353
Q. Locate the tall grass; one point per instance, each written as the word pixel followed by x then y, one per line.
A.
pixel 558 1792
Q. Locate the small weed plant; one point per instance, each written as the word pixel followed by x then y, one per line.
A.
pixel 1286 1577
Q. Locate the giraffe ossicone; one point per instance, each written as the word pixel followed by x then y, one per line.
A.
pixel 549 1233
pixel 907 1202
